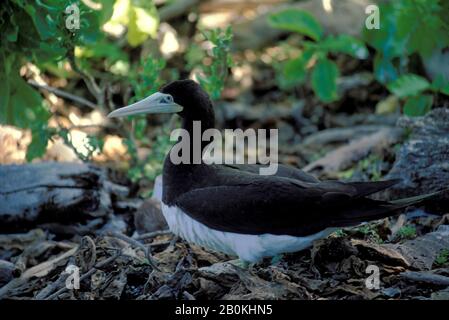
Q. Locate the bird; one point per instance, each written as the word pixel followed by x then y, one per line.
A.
pixel 235 210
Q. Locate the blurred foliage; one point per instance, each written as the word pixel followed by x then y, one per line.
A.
pixel 407 232
pixel 314 55
pixel 412 88
pixel 115 44
pixel 370 231
pixel 145 79
pixel 92 144
pixel 442 258
pixel 409 28
pixel 140 17
pixel 216 72
pixel 35 31
pixel 371 166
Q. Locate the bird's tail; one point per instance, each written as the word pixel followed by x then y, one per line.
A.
pixel 405 202
pixel 369 209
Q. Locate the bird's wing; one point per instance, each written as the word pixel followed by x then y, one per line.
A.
pixel 283 206
pixel 282 171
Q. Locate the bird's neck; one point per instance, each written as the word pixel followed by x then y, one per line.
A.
pixel 178 177
pixel 191 137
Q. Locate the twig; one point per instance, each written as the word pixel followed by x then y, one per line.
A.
pixel 92 86
pixel 136 243
pixel 63 94
pixel 426 277
pixel 89 273
pixel 333 135
pixel 44 293
pixel 33 271
pixel 344 156
pixel 176 9
pixel 153 234
pixel 160 244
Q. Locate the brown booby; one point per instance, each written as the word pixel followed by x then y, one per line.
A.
pixel 233 209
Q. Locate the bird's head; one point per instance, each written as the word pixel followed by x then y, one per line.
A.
pixel 184 97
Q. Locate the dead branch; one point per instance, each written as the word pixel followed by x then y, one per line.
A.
pixel 64 94
pixel 341 158
pixel 89 273
pixel 137 244
pixel 425 277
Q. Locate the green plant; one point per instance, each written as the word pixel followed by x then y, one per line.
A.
pixel 36 32
pixel 417 92
pixel 92 144
pixel 140 17
pixel 407 27
pixel 340 233
pixel 145 79
pixel 315 52
pixel 370 231
pixel 442 258
pixel 407 232
pixel 370 165
pixel 410 30
pixel 151 166
pixel 214 74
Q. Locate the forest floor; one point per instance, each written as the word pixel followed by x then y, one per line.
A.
pixel 112 231
pixel 404 257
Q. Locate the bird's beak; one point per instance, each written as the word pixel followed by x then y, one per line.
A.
pixel 155 103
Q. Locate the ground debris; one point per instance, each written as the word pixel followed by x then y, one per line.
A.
pixel 111 268
pixel 343 157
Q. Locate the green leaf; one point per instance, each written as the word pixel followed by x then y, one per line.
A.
pixel 445 89
pixel 441 84
pixel 386 40
pixel 42 20
pixel 25 105
pixel 418 105
pixel 384 70
pixel 419 22
pixel 143 23
pixel 39 140
pixel 294 71
pixel 140 17
pixel 324 80
pixel 89 32
pixel 5 91
pixel 388 105
pixel 12 29
pixel 345 44
pixel 212 78
pixel 297 21
pixel 408 85
pixel 107 9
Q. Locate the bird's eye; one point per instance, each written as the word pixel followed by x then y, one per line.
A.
pixel 167 99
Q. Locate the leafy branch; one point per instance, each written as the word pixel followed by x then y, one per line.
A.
pixel 314 53
pixel 215 74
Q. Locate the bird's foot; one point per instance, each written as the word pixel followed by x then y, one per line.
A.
pixel 276 259
pixel 245 265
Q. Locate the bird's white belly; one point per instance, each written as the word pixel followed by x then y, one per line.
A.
pixel 247 247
